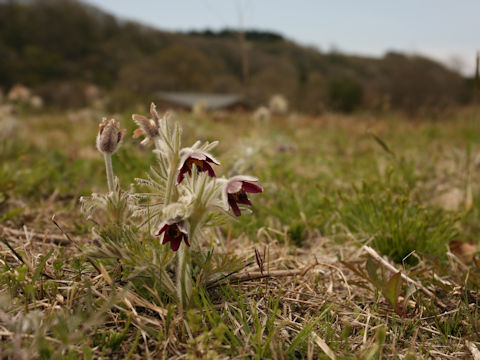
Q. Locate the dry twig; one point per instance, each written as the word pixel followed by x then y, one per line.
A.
pixel 392 268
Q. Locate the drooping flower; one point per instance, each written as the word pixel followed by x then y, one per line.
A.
pixel 148 127
pixel 109 136
pixel 198 158
pixel 174 233
pixel 236 189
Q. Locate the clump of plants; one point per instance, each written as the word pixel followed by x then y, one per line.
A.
pixel 160 239
pixel 388 217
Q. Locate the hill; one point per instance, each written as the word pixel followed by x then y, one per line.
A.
pixel 58 47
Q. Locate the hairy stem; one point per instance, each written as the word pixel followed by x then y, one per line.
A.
pixel 109 169
pixel 157 142
pixel 174 159
pixel 167 282
pixel 184 281
pixel 172 175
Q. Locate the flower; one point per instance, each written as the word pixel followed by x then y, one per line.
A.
pixel 174 233
pixel 196 157
pixel 147 127
pixel 236 189
pixel 109 136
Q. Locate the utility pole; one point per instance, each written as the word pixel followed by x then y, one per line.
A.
pixel 476 82
pixel 243 46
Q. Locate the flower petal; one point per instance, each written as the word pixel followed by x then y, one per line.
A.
pixel 244 178
pixel 164 227
pixel 233 186
pixel 198 155
pixel 153 112
pixel 139 119
pixel 181 174
pixel 120 135
pixel 212 159
pixel 138 132
pixel 234 206
pixel 251 188
pixel 175 243
pixel 207 167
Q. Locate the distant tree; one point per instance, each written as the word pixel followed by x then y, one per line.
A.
pixel 345 94
pixel 416 82
pixel 313 95
pixel 175 68
pixel 251 35
pixel 274 76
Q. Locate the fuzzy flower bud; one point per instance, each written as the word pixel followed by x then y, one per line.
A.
pixel 148 127
pixel 109 136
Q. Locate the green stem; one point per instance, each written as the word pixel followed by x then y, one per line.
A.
pixel 109 169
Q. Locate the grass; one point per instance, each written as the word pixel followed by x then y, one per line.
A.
pixel 302 286
pixel 396 224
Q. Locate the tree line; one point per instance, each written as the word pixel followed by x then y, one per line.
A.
pixel 58 47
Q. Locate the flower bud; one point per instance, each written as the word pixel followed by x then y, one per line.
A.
pixel 148 127
pixel 109 136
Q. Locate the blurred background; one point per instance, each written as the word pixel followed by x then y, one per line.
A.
pixel 316 55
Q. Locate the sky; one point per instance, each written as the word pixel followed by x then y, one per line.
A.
pixel 446 30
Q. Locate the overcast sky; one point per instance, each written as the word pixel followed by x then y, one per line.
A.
pixel 448 30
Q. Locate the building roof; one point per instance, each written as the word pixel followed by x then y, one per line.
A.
pixel 211 101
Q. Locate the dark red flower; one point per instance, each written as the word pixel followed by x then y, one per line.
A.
pixel 236 191
pixel 200 159
pixel 174 234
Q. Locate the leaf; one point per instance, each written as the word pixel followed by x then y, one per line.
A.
pixel 356 270
pixel 305 332
pixel 43 261
pixel 383 144
pixel 11 214
pixel 392 290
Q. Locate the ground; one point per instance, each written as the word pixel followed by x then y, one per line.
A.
pixel 361 246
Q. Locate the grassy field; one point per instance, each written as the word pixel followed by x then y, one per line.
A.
pixel 361 245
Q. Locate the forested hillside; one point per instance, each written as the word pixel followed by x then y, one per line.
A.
pixel 58 47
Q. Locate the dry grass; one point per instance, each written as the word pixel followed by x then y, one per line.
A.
pixel 305 281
